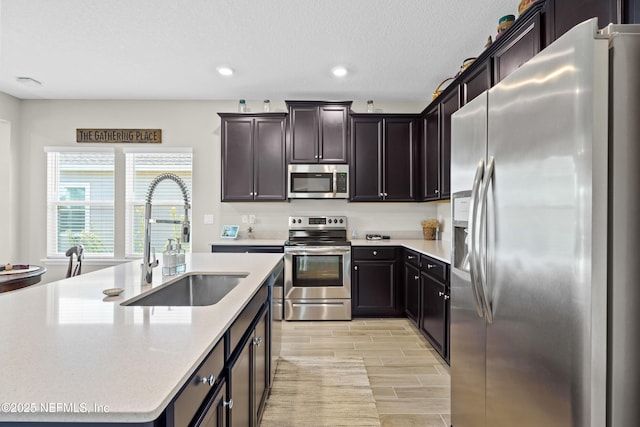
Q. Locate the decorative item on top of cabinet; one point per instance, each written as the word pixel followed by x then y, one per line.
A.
pixel 318 131
pixel 383 157
pixel 253 157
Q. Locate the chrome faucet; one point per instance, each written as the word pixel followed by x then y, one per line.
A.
pixel 147 263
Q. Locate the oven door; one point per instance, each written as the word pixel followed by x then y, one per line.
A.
pixel 317 272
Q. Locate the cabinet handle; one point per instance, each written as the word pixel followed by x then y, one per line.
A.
pixel 211 380
pixel 257 341
pixel 386 194
pixel 375 252
pixel 416 277
pixel 315 157
pixel 228 404
pixel 446 297
pixel 431 266
pixel 437 191
pixel 355 267
pixel 441 293
pixel 410 257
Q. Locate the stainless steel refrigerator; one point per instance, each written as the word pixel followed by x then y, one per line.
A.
pixel 545 296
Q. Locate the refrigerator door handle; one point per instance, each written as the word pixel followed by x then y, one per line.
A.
pixel 482 239
pixel 473 212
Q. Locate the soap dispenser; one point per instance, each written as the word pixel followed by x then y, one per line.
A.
pixel 169 259
pixel 181 265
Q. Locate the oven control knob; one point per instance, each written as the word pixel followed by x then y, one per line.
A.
pixel 299 221
pixel 330 220
pixel 341 221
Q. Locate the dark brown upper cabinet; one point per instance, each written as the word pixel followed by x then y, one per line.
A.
pixel 318 132
pixel 430 155
pixel 253 157
pixel 384 157
pixel 518 47
pixel 476 81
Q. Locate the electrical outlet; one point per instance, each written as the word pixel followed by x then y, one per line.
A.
pixel 245 219
pixel 208 218
pixel 252 219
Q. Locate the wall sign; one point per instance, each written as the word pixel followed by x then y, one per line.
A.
pixel 150 136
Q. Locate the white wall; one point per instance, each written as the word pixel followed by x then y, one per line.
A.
pixel 185 124
pixel 9 179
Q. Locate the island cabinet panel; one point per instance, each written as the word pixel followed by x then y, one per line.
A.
pixel 215 415
pixel 412 292
pixel 240 388
pixel 435 304
pixel 253 157
pixel 318 131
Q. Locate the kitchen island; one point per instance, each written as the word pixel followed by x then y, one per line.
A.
pixel 71 354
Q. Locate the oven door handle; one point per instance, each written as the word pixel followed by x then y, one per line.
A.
pixel 335 183
pixel 329 250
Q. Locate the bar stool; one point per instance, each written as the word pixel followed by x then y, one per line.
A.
pixel 78 251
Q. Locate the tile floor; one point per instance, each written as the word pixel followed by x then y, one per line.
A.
pixel 409 380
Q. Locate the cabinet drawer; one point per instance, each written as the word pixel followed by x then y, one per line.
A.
pixel 412 257
pixel 193 395
pixel 242 323
pixel 373 253
pixel 434 268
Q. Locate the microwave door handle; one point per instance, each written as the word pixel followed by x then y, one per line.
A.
pixel 335 183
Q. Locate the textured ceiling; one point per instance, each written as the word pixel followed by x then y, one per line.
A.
pixel 280 49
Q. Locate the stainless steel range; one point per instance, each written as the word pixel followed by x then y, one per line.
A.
pixel 317 260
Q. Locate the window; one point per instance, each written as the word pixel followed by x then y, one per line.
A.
pixel 168 203
pixel 80 200
pixel 94 201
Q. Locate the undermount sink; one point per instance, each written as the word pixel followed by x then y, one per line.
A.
pixel 190 290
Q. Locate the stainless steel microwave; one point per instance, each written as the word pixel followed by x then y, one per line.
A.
pixel 318 182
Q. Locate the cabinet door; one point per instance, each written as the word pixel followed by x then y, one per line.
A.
pixel 374 286
pixel 216 414
pixel 237 159
pixel 399 159
pixel 333 134
pixel 430 155
pixel 434 312
pixel 240 388
pixel 478 80
pixel 412 292
pixel 366 159
pixel 269 159
pixel 260 371
pixel 521 46
pixel 450 104
pixel 304 134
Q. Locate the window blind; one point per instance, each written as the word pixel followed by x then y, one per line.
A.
pixel 80 201
pixel 142 166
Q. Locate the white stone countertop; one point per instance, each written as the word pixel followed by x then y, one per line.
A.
pixel 438 249
pixel 66 349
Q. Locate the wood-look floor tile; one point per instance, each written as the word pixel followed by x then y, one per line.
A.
pixel 413 406
pixel 429 392
pixel 446 418
pixel 411 361
pixel 370 352
pixel 372 361
pixel 443 369
pixel 419 352
pixel 308 353
pixel 365 333
pixel 402 370
pixel 383 393
pixel 394 380
pixel 377 345
pixel 341 338
pixel 434 379
pixel 412 420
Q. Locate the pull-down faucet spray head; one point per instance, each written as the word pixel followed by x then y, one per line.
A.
pixel 147 263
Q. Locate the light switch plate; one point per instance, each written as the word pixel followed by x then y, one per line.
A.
pixel 252 219
pixel 208 218
pixel 245 220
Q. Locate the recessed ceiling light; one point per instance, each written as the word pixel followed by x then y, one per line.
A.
pixel 225 71
pixel 339 71
pixel 28 81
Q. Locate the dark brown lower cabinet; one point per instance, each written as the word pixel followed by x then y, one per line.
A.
pixel 216 414
pixel 374 282
pixel 412 292
pixel 434 313
pixel 247 375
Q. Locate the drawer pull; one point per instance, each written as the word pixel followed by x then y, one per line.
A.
pixel 257 341
pixel 431 266
pixel 228 404
pixel 211 380
pixel 441 293
pixel 446 297
pixel 411 257
pixel 375 252
pixel 416 277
